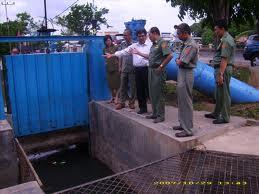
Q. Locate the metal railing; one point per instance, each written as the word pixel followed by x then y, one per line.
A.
pixel 189 172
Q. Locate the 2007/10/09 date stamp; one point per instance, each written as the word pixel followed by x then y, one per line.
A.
pixel 223 183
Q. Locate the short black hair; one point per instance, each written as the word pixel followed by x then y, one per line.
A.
pixel 222 23
pixel 128 30
pixel 175 26
pixel 184 28
pixel 155 30
pixel 141 31
pixel 106 37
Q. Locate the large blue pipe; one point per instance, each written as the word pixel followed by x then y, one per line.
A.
pixel 204 82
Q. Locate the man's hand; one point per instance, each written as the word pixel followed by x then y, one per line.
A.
pixel 178 62
pixel 220 79
pixel 159 69
pixel 134 51
pixel 108 55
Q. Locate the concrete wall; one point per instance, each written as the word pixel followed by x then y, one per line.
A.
pixel 122 141
pixel 8 159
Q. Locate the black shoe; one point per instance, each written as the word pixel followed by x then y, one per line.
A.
pixel 210 116
pixel 179 128
pixel 158 120
pixel 183 134
pixel 219 121
pixel 141 111
pixel 151 117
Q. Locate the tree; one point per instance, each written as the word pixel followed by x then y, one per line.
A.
pixel 207 36
pixel 23 24
pixel 238 11
pixel 197 29
pixel 27 25
pixel 82 19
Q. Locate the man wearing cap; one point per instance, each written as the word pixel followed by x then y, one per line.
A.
pixel 223 64
pixel 186 61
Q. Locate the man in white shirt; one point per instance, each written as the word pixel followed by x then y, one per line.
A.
pixel 141 66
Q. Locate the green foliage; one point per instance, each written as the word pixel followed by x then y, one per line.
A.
pixel 80 19
pixel 238 11
pixel 197 29
pixel 27 25
pixel 235 30
pixel 23 24
pixel 207 36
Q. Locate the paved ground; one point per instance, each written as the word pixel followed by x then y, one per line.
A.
pixel 203 127
pixel 244 140
pixel 206 56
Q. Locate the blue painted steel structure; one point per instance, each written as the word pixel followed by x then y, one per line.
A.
pixel 47 91
pixel 2 113
pixel 205 83
pixel 134 26
pixel 97 71
pixel 52 91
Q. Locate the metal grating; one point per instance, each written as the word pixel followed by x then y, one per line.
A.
pixel 192 172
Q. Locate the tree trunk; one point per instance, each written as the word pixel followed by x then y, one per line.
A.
pixel 219 9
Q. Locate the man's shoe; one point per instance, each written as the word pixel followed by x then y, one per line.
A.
pixel 179 128
pixel 131 106
pixel 141 111
pixel 219 121
pixel 183 134
pixel 210 116
pixel 120 106
pixel 158 120
pixel 151 117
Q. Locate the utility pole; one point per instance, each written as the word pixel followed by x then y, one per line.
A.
pixel 6 3
pixel 45 11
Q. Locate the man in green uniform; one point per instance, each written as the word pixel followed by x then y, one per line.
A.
pixel 223 64
pixel 159 56
pixel 186 61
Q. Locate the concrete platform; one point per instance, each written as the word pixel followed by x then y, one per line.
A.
pixel 26 188
pixel 123 139
pixel 244 140
pixel 9 172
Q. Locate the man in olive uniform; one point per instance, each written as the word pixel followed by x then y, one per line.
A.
pixel 159 56
pixel 186 61
pixel 127 74
pixel 223 64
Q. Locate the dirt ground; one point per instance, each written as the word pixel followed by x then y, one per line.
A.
pixel 205 103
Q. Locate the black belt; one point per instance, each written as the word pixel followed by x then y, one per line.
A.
pixel 218 65
pixel 140 67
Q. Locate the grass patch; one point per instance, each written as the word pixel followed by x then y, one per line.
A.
pixel 202 102
pixel 241 74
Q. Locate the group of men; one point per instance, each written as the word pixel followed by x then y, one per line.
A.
pixel 144 70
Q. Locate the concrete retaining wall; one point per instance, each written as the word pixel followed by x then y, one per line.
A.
pixel 8 158
pixel 123 141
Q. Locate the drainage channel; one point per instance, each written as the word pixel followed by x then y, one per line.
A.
pixel 190 172
pixel 61 169
pixel 58 160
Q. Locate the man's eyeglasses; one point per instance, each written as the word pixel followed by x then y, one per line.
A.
pixel 140 36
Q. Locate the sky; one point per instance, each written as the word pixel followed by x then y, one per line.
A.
pixel 155 12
